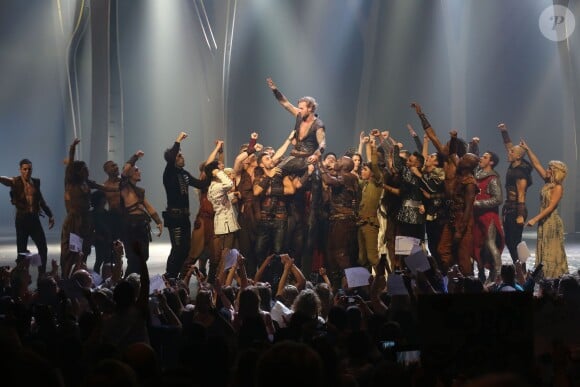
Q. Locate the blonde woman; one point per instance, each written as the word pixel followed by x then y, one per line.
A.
pixel 550 244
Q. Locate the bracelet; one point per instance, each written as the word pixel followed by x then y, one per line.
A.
pixel 424 122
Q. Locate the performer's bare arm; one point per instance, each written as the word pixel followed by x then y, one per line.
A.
pixel 214 154
pixel 521 186
pixel 7 181
pixel 153 213
pixel 282 100
pixel 534 160
pixel 284 147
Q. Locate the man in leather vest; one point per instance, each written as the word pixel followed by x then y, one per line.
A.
pixel 30 205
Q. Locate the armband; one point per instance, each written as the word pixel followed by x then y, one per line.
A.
pixel 279 96
pixel 133 160
pixel 424 122
pixel 506 137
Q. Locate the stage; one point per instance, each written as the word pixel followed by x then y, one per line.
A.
pixel 159 250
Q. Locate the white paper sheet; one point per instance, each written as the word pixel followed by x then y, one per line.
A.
pixel 523 251
pixel 404 245
pixel 75 243
pixel 357 276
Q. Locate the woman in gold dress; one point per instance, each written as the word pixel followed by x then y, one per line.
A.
pixel 550 243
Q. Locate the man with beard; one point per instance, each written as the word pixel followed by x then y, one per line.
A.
pixel 309 139
pixel 488 239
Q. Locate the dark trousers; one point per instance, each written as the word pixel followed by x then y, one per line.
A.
pixel 180 243
pixel 513 233
pixel 434 229
pixel 28 225
pixel 136 238
pixel 270 239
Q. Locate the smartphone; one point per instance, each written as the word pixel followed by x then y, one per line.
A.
pixel 407 358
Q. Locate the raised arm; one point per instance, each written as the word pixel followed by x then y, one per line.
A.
pixel 238 162
pixel 214 153
pixel 132 161
pixel 282 100
pixel 429 129
pixel 534 160
pixel 71 156
pixel 425 149
pixel 506 137
pixel 176 148
pixel 280 152
pixel 361 142
pixel 416 138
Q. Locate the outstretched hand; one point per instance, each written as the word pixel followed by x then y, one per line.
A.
pixel 417 107
pixel 271 83
pixel 501 126
pixel 182 136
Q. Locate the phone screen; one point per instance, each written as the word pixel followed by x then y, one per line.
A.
pixel 407 358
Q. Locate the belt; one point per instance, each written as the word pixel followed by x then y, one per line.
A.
pixel 178 211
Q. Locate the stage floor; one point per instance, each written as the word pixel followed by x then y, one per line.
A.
pixel 159 250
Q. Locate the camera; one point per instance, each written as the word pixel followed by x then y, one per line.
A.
pixel 351 300
pixel 537 271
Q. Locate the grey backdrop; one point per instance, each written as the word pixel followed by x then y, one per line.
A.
pixel 470 63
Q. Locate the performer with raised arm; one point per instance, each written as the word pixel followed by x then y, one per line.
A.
pixel 550 242
pixel 138 213
pixel 517 181
pixel 310 138
pixel 25 195
pixel 456 243
pixel 77 200
pixel 176 181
